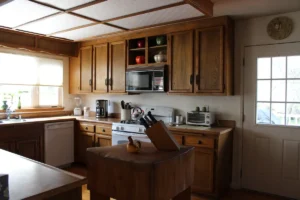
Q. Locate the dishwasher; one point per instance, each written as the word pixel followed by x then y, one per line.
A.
pixel 59 143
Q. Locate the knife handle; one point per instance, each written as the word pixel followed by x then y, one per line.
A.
pixel 149 122
pixel 151 117
pixel 144 123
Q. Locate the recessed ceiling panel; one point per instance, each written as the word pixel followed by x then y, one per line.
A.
pixel 90 31
pixel 65 4
pixel 54 24
pixel 116 8
pixel 158 17
pixel 18 12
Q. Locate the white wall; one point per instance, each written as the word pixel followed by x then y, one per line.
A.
pixel 68 101
pixel 248 32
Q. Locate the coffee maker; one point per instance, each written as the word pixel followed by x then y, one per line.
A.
pixel 101 108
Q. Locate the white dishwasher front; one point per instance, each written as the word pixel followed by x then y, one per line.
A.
pixel 59 143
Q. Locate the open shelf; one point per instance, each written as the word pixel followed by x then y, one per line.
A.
pixel 158 47
pixel 137 49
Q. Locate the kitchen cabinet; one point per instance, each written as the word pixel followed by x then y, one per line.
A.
pixel 91 135
pixel 74 75
pixel 209 60
pixel 86 62
pixel 24 139
pixel 100 69
pixel 181 62
pixel 117 67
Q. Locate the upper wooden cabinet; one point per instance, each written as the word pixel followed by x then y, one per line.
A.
pixel 86 62
pixel 74 75
pixel 209 60
pixel 181 62
pixel 117 67
pixel 100 70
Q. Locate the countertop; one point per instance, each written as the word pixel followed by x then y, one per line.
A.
pixel 182 128
pixel 26 183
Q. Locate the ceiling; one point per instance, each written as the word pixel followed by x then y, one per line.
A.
pixel 78 20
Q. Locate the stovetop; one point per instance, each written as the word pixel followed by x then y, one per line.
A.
pixel 137 122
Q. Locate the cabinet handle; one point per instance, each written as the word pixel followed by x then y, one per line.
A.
pixel 199 142
pixel 198 79
pixel 90 81
pixel 191 79
pixel 110 82
pixel 106 82
pixel 103 130
pixel 86 128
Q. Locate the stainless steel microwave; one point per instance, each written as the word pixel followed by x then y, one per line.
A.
pixel 200 118
pixel 151 79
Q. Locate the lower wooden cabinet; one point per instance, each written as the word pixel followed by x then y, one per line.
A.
pixel 24 139
pixel 90 135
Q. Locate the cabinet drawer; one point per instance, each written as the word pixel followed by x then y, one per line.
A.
pixel 87 127
pixel 103 130
pixel 199 141
pixel 178 138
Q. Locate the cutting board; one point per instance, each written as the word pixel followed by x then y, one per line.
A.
pixel 161 137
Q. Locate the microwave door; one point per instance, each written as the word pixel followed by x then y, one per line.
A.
pixel 139 81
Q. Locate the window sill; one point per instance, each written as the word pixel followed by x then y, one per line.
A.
pixel 32 110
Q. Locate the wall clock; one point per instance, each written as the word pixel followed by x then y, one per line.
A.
pixel 280 28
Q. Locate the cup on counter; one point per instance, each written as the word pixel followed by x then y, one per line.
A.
pixel 125 114
pixel 86 111
pixel 179 119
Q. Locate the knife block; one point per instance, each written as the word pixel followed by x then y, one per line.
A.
pixel 161 137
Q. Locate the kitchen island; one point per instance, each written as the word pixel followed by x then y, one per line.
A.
pixel 29 179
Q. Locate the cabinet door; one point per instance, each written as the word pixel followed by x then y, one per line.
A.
pixel 7 146
pixel 181 62
pixel 29 148
pixel 204 170
pixel 86 62
pixel 100 72
pixel 178 138
pixel 209 65
pixel 117 67
pixel 86 140
pixel 74 75
pixel 102 140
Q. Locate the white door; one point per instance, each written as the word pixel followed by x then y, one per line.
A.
pixel 271 138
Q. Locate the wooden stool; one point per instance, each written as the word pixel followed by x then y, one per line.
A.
pixel 147 175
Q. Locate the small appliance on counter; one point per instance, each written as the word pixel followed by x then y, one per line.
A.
pixel 86 111
pixel 200 118
pixel 101 108
pixel 77 109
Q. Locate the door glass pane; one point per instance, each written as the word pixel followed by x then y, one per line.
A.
pixel 263 90
pixel 293 67
pixel 278 113
pixel 293 114
pixel 278 67
pixel 278 90
pixel 293 90
pixel 263 113
pixel 263 68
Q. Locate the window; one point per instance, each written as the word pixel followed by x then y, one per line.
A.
pixel 278 91
pixel 34 81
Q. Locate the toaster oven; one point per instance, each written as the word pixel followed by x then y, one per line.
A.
pixel 200 118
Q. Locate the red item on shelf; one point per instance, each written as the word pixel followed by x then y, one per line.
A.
pixel 140 59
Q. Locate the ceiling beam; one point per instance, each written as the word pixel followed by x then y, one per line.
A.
pixel 205 6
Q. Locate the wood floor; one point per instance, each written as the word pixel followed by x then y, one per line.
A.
pixel 232 195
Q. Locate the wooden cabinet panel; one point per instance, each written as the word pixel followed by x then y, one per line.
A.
pixel 117 67
pixel 100 72
pixel 199 141
pixel 87 127
pixel 178 138
pixel 204 170
pixel 102 140
pixel 85 140
pixel 106 130
pixel 209 64
pixel 8 146
pixel 74 75
pixel 181 62
pixel 29 148
pixel 86 62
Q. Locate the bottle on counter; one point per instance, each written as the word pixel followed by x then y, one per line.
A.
pixel 19 103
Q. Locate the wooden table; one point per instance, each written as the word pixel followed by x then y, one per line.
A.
pixel 29 179
pixel 148 175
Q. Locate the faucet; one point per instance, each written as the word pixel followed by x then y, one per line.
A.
pixel 8 113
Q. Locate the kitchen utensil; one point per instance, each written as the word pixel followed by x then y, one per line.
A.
pixel 137 113
pixel 140 59
pixel 147 119
pixel 160 57
pixel 151 117
pixel 123 104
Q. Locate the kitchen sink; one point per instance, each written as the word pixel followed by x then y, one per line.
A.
pixel 6 121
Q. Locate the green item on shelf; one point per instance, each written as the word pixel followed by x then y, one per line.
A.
pixel 160 40
pixel 19 103
pixel 4 106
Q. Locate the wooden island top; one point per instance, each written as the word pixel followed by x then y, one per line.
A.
pixel 29 179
